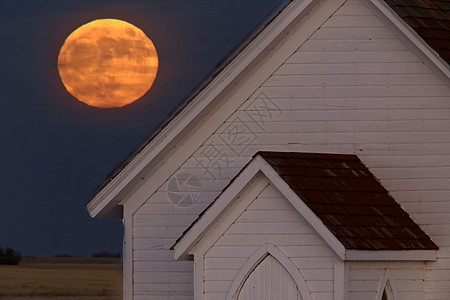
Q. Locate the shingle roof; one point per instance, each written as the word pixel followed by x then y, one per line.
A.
pixel 430 19
pixel 349 200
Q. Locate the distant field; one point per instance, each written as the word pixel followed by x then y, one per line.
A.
pixel 77 278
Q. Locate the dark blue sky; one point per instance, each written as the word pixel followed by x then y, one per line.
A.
pixel 55 151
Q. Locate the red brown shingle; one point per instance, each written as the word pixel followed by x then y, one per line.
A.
pixel 430 19
pixel 349 200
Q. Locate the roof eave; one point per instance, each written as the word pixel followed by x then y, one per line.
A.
pixel 391 255
pixel 108 199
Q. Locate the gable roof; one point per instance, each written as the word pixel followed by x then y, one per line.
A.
pixel 335 193
pixel 106 202
pixel 349 200
pixel 108 198
pixel 430 19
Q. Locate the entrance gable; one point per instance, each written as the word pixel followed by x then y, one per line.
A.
pixel 256 213
pixel 268 228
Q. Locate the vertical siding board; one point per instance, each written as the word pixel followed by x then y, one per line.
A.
pixel 269 280
pixel 332 96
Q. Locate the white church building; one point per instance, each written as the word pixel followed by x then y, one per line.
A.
pixel 314 165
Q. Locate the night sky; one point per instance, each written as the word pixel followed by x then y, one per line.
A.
pixel 55 151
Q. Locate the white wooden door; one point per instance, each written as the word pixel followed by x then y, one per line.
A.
pixel 269 281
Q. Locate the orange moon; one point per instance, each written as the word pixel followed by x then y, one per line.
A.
pixel 108 63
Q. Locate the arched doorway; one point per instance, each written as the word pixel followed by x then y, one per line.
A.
pixel 269 280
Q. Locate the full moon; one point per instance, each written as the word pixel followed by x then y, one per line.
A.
pixel 108 63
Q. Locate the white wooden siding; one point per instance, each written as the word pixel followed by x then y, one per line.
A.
pixel 270 218
pixel 407 279
pixel 353 87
